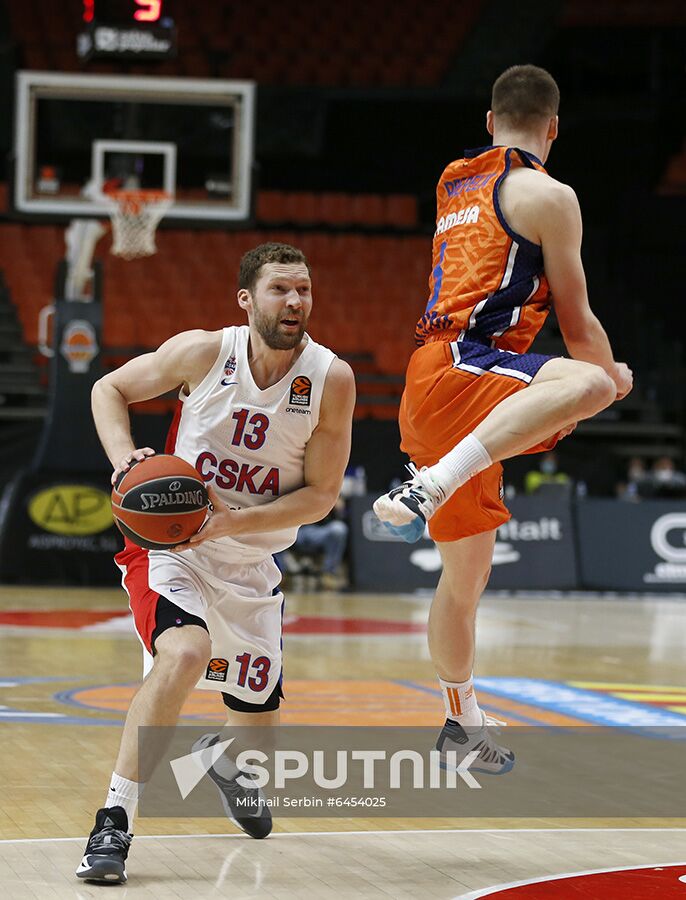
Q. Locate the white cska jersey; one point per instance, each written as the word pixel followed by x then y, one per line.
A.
pixel 248 443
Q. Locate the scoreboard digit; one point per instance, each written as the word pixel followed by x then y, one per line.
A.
pixel 122 12
pixel 148 11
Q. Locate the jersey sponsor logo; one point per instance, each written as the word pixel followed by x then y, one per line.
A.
pixel 459 186
pixel 296 409
pixel 229 370
pixel 231 475
pixel 301 391
pixel 465 216
pixel 217 670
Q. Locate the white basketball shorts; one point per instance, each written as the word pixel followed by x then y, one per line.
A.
pixel 240 604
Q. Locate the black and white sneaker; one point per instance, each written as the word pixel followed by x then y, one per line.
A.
pixel 107 848
pixel 406 509
pixel 492 759
pixel 245 807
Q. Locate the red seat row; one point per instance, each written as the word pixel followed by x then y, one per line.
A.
pixel 356 43
pixel 368 290
pixel 674 178
pixel 617 13
pixel 333 208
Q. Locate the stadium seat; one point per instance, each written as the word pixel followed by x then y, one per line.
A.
pixel 674 179
pixel 368 289
pixel 354 44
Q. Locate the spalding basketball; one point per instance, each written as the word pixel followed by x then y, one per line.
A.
pixel 159 502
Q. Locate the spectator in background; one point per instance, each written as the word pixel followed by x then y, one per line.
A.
pixel 636 471
pixel 328 539
pixel 547 473
pixel 665 480
pixel 635 476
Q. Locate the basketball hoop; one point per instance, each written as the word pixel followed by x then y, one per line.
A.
pixel 135 215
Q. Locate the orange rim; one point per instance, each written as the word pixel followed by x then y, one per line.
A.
pixel 132 202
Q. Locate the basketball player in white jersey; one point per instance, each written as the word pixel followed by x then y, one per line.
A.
pixel 265 416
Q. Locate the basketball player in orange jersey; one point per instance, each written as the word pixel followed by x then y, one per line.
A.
pixel 506 246
pixel 265 416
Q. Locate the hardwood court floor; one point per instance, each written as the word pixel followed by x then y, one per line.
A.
pixel 69 664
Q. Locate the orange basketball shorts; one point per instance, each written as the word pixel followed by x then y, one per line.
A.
pixel 450 388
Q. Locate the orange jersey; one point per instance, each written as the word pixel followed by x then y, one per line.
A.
pixel 487 282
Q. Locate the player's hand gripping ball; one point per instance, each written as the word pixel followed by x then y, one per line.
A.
pixel 160 502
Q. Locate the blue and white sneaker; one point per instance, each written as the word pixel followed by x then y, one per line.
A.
pixel 406 509
pixel 492 759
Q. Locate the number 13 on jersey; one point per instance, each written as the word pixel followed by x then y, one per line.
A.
pixel 254 436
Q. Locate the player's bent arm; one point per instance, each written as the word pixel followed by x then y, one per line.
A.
pixel 326 458
pixel 182 360
pixel 560 230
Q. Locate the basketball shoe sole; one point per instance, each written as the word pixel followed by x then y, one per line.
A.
pixel 492 759
pixel 108 846
pixel 405 510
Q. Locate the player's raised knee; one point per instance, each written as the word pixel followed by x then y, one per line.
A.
pixel 597 389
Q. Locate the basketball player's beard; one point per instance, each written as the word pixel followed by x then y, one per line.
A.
pixel 269 329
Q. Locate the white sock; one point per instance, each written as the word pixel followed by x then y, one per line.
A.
pixel 460 464
pixel 460 701
pixel 124 793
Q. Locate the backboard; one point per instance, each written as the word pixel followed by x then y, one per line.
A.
pixel 192 138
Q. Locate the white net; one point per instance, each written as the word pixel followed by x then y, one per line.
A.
pixel 135 216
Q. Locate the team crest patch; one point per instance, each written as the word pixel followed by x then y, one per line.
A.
pixel 229 370
pixel 217 670
pixel 301 391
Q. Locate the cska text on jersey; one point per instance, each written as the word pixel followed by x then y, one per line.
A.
pixel 235 476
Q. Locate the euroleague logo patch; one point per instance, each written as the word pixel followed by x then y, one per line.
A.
pixel 217 670
pixel 301 391
pixel 79 345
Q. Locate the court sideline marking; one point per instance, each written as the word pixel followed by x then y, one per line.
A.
pixel 282 834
